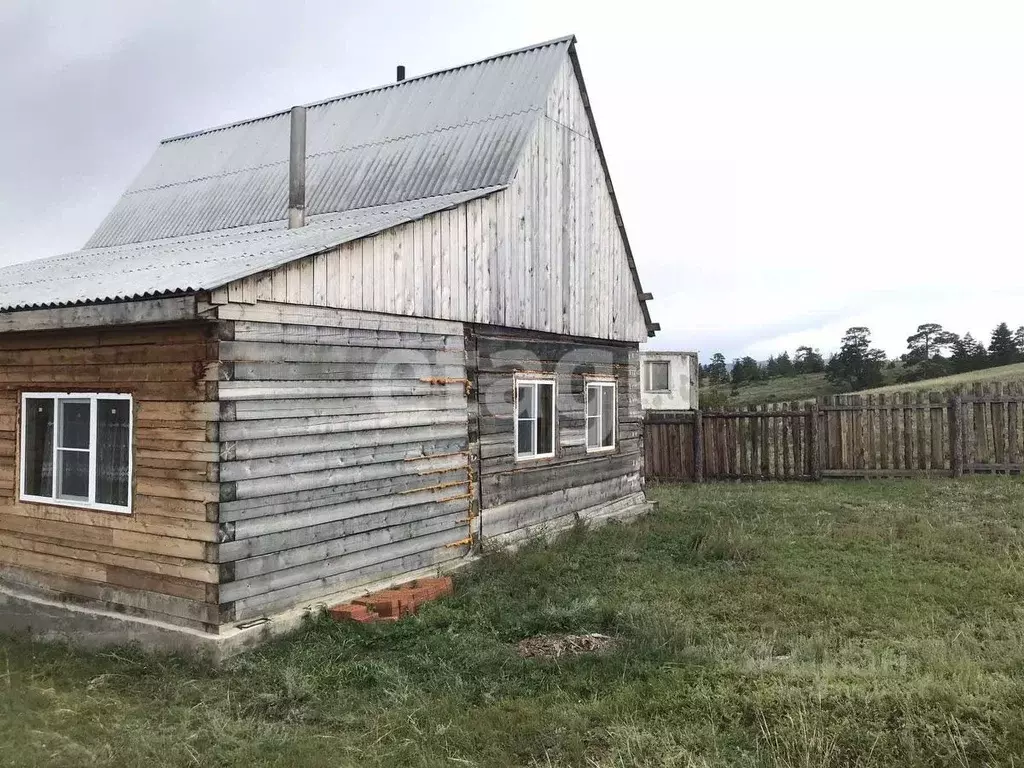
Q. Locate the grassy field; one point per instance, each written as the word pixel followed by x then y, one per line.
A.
pixel 780 390
pixel 837 624
pixel 814 385
pixel 1002 374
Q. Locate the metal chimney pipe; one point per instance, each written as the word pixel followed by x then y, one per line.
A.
pixel 401 73
pixel 297 170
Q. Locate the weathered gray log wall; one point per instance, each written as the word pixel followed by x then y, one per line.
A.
pixel 344 451
pixel 522 498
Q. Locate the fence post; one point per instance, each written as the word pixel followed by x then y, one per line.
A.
pixel 956 423
pixel 698 447
pixel 814 446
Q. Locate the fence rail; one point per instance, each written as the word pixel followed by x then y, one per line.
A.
pixel 897 435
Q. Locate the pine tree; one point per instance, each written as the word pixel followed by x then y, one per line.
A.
pixel 744 370
pixel 1018 339
pixel 1002 350
pixel 929 340
pixel 717 371
pixel 739 374
pixel 808 360
pixel 963 354
pixel 857 365
pixel 979 355
pixel 754 372
pixel 771 369
pixel 968 355
pixel 784 365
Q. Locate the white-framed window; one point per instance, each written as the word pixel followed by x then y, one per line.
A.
pixel 76 449
pixel 656 376
pixel 535 418
pixel 601 415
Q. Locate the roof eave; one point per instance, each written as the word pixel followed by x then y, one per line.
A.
pixel 181 307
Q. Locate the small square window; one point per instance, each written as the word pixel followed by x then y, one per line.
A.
pixel 535 419
pixel 601 416
pixel 657 376
pixel 76 450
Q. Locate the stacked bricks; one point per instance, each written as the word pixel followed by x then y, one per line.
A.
pixel 393 604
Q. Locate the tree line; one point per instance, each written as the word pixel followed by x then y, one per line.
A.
pixel 931 352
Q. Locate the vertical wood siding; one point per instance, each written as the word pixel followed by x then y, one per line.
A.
pixel 344 452
pixel 525 497
pixel 901 434
pixel 545 254
pixel 160 560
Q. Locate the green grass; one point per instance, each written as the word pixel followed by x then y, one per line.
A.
pixel 835 624
pixel 779 390
pixel 814 385
pixel 1001 374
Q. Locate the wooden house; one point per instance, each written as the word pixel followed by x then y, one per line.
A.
pixel 348 343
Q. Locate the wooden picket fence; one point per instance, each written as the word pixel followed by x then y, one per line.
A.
pixel 899 435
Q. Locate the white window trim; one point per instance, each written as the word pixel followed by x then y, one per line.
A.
pixel 647 376
pixel 92 397
pixel 606 384
pixel 534 380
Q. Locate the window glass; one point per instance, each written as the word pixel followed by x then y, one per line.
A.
pixel 545 418
pixel 526 424
pixel 593 431
pixel 657 375
pixel 526 401
pixel 525 444
pixel 73 450
pixel 73 475
pixel 113 446
pixel 607 416
pixel 593 416
pixel 74 424
pixel 37 452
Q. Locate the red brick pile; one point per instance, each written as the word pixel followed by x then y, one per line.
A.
pixel 392 604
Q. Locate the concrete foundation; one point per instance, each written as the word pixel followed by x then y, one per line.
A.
pixel 45 619
pixel 48 620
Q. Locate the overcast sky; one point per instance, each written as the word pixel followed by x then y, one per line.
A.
pixel 785 169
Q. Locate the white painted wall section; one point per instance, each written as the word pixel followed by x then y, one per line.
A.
pixel 681 394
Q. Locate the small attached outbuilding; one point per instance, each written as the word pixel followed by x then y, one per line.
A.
pixel 670 381
pixel 345 344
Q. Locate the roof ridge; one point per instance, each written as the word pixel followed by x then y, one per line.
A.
pixel 323 102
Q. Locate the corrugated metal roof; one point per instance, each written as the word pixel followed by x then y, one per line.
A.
pixel 198 262
pixel 438 134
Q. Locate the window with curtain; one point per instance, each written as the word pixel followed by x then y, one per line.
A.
pixel 601 415
pixel 76 450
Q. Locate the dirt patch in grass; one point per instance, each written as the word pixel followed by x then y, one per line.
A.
pixel 558 646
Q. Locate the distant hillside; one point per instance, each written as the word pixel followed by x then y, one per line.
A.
pixel 783 389
pixel 1003 374
pixel 814 385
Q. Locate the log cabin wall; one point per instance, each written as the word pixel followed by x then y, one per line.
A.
pixel 160 560
pixel 345 452
pixel 525 497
